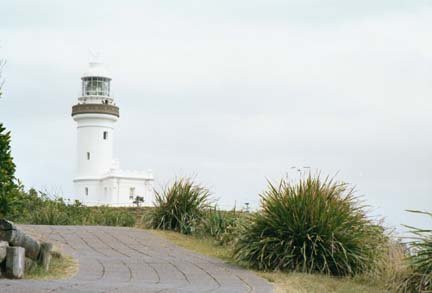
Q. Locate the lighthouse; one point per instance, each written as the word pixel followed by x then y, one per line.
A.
pixel 99 179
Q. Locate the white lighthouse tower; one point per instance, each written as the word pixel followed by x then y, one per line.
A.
pixel 98 179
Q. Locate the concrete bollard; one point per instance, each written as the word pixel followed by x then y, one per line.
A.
pixel 3 246
pixel 15 262
pixel 45 255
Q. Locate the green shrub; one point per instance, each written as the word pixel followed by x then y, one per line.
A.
pixel 223 226
pixel 419 278
pixel 180 207
pixel 56 212
pixel 8 182
pixel 312 226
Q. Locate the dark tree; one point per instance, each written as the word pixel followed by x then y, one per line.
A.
pixel 7 166
pixel 138 200
pixel 8 186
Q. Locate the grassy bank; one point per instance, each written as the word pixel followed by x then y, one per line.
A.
pixel 40 209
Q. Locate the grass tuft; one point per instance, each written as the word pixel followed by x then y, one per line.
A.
pixel 419 276
pixel 314 226
pixel 180 207
pixel 223 226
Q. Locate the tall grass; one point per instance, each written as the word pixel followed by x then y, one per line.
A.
pixel 312 226
pixel 419 278
pixel 39 208
pixel 56 212
pixel 223 226
pixel 180 207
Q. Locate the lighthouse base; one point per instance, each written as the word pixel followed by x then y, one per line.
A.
pixel 114 190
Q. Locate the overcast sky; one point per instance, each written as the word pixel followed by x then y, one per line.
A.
pixel 232 92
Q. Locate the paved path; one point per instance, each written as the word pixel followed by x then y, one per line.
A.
pixel 132 260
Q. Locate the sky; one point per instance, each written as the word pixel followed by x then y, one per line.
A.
pixel 231 93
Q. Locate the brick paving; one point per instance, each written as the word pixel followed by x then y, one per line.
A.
pixel 113 259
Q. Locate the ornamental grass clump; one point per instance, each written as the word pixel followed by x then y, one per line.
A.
pixel 180 207
pixel 222 226
pixel 312 226
pixel 419 278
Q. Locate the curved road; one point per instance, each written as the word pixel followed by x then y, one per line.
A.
pixel 115 259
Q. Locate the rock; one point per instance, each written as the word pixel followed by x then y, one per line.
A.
pixel 3 246
pixel 15 262
pixel 45 255
pixel 16 237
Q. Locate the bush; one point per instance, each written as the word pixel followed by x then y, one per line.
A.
pixel 180 207
pixel 419 278
pixel 223 226
pixel 312 226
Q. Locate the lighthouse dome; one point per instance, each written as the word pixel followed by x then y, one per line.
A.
pixel 96 69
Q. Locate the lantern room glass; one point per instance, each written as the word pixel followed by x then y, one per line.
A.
pixel 96 86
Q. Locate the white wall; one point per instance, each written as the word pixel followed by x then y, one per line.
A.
pixel 142 187
pixel 114 191
pixel 93 197
pixel 90 129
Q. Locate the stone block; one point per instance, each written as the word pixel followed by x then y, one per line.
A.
pixel 3 246
pixel 15 262
pixel 16 237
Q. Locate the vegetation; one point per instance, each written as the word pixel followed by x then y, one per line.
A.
pixel 222 226
pixel 313 226
pixel 419 275
pixel 34 207
pixel 8 185
pixel 180 207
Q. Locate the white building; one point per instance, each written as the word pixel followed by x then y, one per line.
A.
pixel 98 179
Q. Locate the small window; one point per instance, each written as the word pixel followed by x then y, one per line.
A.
pixel 105 135
pixel 88 155
pixel 86 191
pixel 131 197
pixel 132 191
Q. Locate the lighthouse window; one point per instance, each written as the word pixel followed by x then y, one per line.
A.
pixel 86 191
pixel 96 86
pixel 105 135
pixel 88 155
